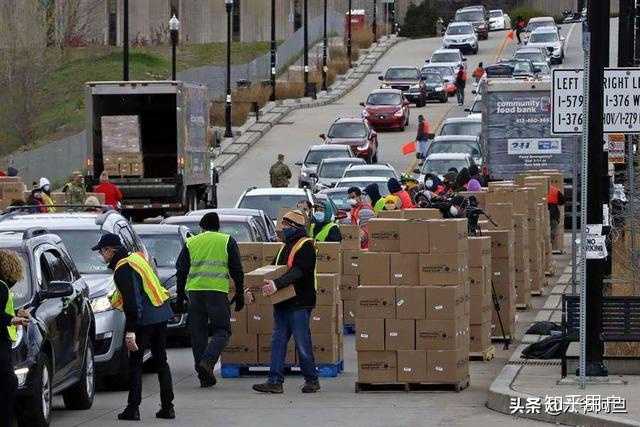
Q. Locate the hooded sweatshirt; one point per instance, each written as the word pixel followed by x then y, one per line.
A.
pixel 373 192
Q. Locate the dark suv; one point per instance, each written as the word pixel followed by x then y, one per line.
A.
pixel 357 134
pixel 408 81
pixel 79 232
pixel 54 354
pixel 476 15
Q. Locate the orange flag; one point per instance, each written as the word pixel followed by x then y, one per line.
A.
pixel 510 35
pixel 409 147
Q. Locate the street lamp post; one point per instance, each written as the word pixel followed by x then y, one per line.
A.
pixel 273 50
pixel 174 28
pixel 349 35
pixel 305 58
pixel 374 26
pixel 125 40
pixel 324 46
pixel 228 133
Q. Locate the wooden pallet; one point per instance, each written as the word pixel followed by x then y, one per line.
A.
pixel 487 354
pixel 237 370
pixel 411 387
pixel 523 307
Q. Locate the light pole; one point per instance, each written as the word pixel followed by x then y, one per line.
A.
pixel 273 50
pixel 228 133
pixel 375 21
pixel 305 58
pixel 349 35
pixel 324 46
pixel 174 28
pixel 125 40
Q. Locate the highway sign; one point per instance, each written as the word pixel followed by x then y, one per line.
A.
pixel 621 100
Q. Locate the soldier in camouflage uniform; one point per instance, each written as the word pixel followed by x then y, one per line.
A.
pixel 76 193
pixel 280 174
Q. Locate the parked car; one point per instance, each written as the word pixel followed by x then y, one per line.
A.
pixel 475 111
pixel 448 57
pixel 331 170
pixel 540 21
pixel 544 71
pixel 272 200
pixel 54 354
pixel 471 126
pixel 435 85
pixel 357 134
pixel 362 181
pixel 550 41
pixel 80 231
pixel 164 243
pixel 461 35
pixel 476 15
pixel 267 229
pixel 533 54
pixel 458 144
pixel 384 170
pixel 448 76
pixel 338 195
pixel 439 164
pixel 407 80
pixel 386 109
pixel 242 228
pixel 315 154
pixel 513 69
pixel 498 20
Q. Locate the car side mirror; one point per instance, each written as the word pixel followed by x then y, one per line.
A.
pixel 381 78
pixel 467 110
pixel 322 136
pixel 298 163
pixel 416 170
pixel 362 104
pixel 427 60
pixel 57 289
pixel 464 59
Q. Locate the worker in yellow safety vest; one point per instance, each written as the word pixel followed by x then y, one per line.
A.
pixel 205 267
pixel 145 303
pixel 10 320
pixel 323 228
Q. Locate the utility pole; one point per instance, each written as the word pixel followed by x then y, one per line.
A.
pixel 637 32
pixel 374 25
pixel 273 50
pixel 125 40
pixel 349 34
pixel 306 47
pixel 598 35
pixel 324 45
pixel 228 131
pixel 626 24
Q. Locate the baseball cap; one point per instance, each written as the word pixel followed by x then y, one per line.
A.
pixel 108 240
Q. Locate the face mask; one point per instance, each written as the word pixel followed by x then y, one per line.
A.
pixel 353 202
pixel 429 183
pixel 289 234
pixel 454 211
pixel 46 187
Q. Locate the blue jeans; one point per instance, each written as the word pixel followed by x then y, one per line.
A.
pixel 286 323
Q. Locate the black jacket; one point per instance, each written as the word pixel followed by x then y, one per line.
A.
pixel 301 275
pixel 183 265
pixel 5 319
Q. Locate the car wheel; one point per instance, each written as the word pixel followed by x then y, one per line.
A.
pixel 35 408
pixel 421 102
pixel 81 395
pixel 444 99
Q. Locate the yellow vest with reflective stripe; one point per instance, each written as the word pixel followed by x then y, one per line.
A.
pixel 154 290
pixel 324 231
pixel 48 202
pixel 209 270
pixel 8 309
pixel 292 255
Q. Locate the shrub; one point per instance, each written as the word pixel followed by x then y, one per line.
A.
pixel 525 12
pixel 420 21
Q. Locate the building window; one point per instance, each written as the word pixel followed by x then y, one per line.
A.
pixel 112 16
pixel 235 27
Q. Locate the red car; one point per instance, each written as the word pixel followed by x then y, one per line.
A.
pixel 386 109
pixel 357 134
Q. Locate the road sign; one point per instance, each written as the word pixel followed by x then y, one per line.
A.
pixel 621 101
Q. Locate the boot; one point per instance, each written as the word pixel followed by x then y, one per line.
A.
pixel 269 388
pixel 205 373
pixel 129 414
pixel 168 413
pixel 311 387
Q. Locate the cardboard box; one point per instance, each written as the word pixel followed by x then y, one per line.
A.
pixel 350 236
pixel 445 302
pixel 410 302
pixel 502 214
pixel 255 279
pixel 404 269
pixel 503 270
pixel 239 321
pixel 479 281
pixel 326 348
pixel 242 348
pixel 327 289
pixel 448 236
pixel 348 285
pixel 481 312
pixel 503 194
pixel 442 334
pixel 393 214
pixel 328 257
pixel 374 268
pixel 264 350
pixel 269 252
pixel 501 242
pixel 423 214
pixel 370 334
pixel 323 320
pixel 414 236
pixel 376 302
pixel 259 319
pixel 412 366
pixel 339 324
pixel 251 255
pixel 351 262
pixel 480 337
pixel 384 235
pixel 479 251
pixel 349 312
pixel 447 366
pixel 377 367
pixel 400 334
pixel 443 269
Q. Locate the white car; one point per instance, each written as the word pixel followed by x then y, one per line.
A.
pixel 550 40
pixel 531 53
pixel 271 200
pixel 450 57
pixel 383 170
pixel 316 154
pixel 540 21
pixel 498 20
pixel 362 181
pixel 461 35
pixel 440 163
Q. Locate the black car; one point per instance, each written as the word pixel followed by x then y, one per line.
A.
pixel 164 243
pixel 54 354
pixel 435 86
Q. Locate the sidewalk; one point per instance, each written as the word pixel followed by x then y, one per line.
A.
pixel 530 389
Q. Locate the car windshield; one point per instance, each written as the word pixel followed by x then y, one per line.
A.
pixel 442 166
pixel 432 78
pixel 469 16
pixel 543 38
pixel 401 74
pixel 21 290
pixel 314 157
pixel 191 222
pixel 79 244
pixel 385 173
pixel 533 56
pixel 382 186
pixel 543 67
pixel 272 203
pixel 455 147
pixel 384 99
pixel 444 71
pixel 538 24
pixel 455 30
pixel 332 169
pixel 445 57
pixel 462 128
pixel 522 68
pixel 340 199
pixel 347 130
pixel 240 231
pixel 495 13
pixel 163 248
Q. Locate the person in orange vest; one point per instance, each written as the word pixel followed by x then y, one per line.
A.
pixel 422 138
pixel 358 204
pixel 478 72
pixel 461 83
pixel 145 303
pixel 555 198
pixel 292 317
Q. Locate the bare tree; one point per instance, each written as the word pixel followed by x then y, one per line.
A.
pixel 74 23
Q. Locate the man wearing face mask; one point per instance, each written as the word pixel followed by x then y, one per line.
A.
pixel 45 186
pixel 291 317
pixel 456 210
pixel 357 202
pixel 323 228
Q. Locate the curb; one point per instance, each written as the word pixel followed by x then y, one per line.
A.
pixel 252 131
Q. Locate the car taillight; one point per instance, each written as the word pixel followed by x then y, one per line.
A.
pixel 399 113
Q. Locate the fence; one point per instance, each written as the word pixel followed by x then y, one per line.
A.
pixel 556 7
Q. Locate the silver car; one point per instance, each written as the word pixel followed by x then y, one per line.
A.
pixel 461 35
pixel 548 39
pixel 315 154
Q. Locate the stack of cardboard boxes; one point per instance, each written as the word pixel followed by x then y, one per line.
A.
pixel 11 188
pixel 121 146
pixel 350 259
pixel 481 310
pixel 412 315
